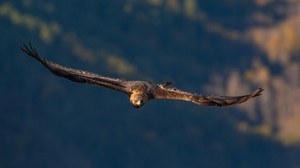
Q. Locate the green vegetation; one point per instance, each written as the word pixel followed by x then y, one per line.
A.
pixel 212 47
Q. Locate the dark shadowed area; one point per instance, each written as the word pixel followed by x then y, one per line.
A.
pixel 221 47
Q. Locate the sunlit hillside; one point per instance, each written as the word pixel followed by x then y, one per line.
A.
pixel 221 47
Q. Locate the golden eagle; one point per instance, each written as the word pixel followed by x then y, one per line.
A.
pixel 139 92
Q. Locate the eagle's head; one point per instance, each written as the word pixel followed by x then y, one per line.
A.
pixel 138 98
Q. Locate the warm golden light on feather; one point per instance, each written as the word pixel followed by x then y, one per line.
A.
pixel 139 92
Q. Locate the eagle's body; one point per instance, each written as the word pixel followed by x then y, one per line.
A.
pixel 139 92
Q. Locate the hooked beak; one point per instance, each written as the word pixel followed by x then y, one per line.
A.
pixel 138 104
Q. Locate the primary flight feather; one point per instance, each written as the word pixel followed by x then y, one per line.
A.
pixel 139 92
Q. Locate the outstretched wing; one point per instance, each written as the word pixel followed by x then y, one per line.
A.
pixel 162 92
pixel 78 75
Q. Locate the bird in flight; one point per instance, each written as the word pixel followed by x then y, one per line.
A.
pixel 139 92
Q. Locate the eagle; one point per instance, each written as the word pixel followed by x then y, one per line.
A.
pixel 139 92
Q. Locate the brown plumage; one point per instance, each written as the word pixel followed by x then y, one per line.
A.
pixel 139 92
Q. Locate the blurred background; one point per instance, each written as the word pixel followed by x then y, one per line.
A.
pixel 223 47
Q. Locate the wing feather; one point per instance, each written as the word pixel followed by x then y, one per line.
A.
pixel 77 75
pixel 173 93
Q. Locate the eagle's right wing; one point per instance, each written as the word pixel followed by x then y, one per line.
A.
pixel 78 75
pixel 162 92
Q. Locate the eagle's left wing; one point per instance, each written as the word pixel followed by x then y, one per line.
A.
pixel 77 75
pixel 162 92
